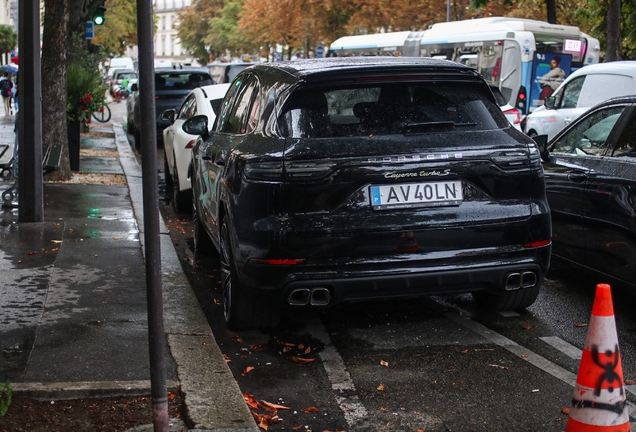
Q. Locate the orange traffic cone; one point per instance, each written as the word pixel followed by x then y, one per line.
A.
pixel 599 402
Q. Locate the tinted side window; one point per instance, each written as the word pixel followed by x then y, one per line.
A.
pixel 183 112
pixel 626 143
pixel 589 137
pixel 235 116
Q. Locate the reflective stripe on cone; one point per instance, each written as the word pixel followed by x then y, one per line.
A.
pixel 599 401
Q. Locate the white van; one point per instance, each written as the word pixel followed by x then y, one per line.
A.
pixel 119 63
pixel 580 91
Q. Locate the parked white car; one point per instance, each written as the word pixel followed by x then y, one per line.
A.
pixel 177 144
pixel 580 91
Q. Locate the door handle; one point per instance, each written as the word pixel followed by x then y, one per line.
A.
pixel 577 177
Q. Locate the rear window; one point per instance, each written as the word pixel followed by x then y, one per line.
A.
pixel 389 109
pixel 181 80
pixel 129 75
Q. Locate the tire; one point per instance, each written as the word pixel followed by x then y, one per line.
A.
pixel 166 173
pixel 130 127
pixel 532 133
pixel 202 241
pixel 242 310
pixel 103 115
pixel 507 300
pixel 181 200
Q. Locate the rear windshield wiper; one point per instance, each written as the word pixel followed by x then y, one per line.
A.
pixel 415 127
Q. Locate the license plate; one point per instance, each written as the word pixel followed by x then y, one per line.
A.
pixel 406 195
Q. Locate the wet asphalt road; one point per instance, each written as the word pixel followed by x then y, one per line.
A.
pixel 434 364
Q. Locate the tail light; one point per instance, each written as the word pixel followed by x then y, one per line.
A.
pixel 515 112
pixel 522 99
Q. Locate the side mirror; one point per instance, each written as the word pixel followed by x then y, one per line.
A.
pixel 549 102
pixel 168 115
pixel 134 87
pixel 197 125
pixel 542 144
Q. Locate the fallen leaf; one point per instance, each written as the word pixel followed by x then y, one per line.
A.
pixel 287 344
pixel 171 395
pixel 380 387
pixel 272 406
pixel 237 339
pixel 301 346
pixel 311 409
pixel 250 401
pixel 384 363
pixel 264 420
pixel 247 370
pixel 565 410
pixel 217 302
pixel 464 351
pixel 56 241
pixel 256 348
pixel 307 351
pixel 526 327
pixel 630 382
pixel 580 324
pixel 299 427
pixel 382 409
pixel 286 349
pixel 301 360
pixel 31 253
pixel 96 255
pixel 524 356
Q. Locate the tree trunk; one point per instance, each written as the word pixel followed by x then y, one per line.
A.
pixel 550 6
pixel 613 31
pixel 54 48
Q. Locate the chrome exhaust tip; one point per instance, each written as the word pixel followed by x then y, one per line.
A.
pixel 320 297
pixel 299 297
pixel 513 281
pixel 528 279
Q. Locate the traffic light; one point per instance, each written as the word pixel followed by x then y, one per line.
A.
pixel 98 15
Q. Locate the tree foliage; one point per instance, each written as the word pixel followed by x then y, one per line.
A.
pixel 120 29
pixel 8 39
pixel 194 25
pixel 223 31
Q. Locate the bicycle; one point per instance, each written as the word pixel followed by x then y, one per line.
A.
pixel 103 114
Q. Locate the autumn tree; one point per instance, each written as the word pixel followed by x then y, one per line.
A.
pixel 120 29
pixel 8 39
pixel 194 26
pixel 223 32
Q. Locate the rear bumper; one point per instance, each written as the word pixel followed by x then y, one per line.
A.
pixel 366 281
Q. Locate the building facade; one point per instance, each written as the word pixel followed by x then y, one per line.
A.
pixel 168 48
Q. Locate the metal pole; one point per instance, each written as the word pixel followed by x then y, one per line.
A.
pixel 30 178
pixel 156 336
pixel 448 7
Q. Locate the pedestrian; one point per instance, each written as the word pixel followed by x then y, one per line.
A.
pixel 6 85
pixel 551 81
pixel 14 93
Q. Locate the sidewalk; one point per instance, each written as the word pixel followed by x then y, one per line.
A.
pixel 74 317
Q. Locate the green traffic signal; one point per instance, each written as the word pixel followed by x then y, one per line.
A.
pixel 98 16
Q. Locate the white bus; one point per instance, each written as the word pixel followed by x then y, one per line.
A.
pixel 510 53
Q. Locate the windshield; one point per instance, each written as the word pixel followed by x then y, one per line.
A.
pixel 390 108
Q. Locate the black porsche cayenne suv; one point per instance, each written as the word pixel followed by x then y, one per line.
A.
pixel 348 179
